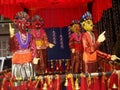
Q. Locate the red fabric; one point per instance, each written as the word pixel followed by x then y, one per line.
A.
pixel 95 84
pixel 83 85
pixel 56 13
pixel 46 3
pixel 113 80
pixel 31 85
pixel 69 86
pixel 98 7
pixel 6 85
pixel 23 86
pixel 60 17
pixel 103 83
pixel 41 85
pixel 57 83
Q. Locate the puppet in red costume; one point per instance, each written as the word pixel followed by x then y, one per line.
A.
pixel 75 44
pixel 41 42
pixel 90 45
pixel 22 46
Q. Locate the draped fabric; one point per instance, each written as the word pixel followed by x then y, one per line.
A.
pixel 98 7
pixel 60 17
pixel 56 13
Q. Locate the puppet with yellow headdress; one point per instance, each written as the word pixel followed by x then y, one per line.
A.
pixel 91 44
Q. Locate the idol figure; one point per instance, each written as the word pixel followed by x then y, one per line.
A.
pixel 41 43
pixel 22 46
pixel 90 45
pixel 75 44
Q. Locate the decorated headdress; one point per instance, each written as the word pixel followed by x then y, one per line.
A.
pixel 22 20
pixel 21 15
pixel 38 18
pixel 86 16
pixel 74 22
pixel 77 26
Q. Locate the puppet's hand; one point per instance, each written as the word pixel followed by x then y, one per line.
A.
pixel 114 57
pixel 73 50
pixel 101 37
pixel 35 60
pixel 51 45
pixel 11 30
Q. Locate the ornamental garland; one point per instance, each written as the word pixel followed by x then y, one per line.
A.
pixel 54 36
pixel 61 39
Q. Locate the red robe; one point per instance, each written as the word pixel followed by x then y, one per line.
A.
pixel 91 52
pixel 75 42
pixel 41 43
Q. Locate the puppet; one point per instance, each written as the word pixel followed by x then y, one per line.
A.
pixel 21 45
pixel 41 42
pixel 90 45
pixel 75 44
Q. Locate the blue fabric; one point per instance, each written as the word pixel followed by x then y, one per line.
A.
pixel 57 52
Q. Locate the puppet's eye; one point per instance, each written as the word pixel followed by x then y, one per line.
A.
pixel 83 24
pixel 88 22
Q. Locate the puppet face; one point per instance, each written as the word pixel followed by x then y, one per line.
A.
pixel 22 25
pixel 37 24
pixel 87 25
pixel 75 28
pixel 21 19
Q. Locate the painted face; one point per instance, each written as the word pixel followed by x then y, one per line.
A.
pixel 75 28
pixel 87 25
pixel 38 25
pixel 22 25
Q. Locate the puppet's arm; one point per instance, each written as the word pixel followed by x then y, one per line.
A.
pixel 107 56
pixel 101 37
pixel 11 30
pixel 71 44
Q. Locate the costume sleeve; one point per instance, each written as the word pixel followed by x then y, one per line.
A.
pixel 103 55
pixel 88 45
pixel 45 39
pixel 33 46
pixel 13 44
pixel 71 43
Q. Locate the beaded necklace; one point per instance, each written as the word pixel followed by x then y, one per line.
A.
pixel 23 44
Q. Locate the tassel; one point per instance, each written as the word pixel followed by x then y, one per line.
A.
pixel 49 81
pixel 103 84
pixel 83 83
pixel 77 85
pixel 89 80
pixel 38 80
pixel 66 81
pixel 45 86
pixel 41 82
pixel 56 83
pixel 70 82
pixel 113 80
pixel 119 81
pixel 114 86
pixel 52 66
pixel 57 65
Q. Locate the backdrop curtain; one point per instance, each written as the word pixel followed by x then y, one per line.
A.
pixel 56 13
